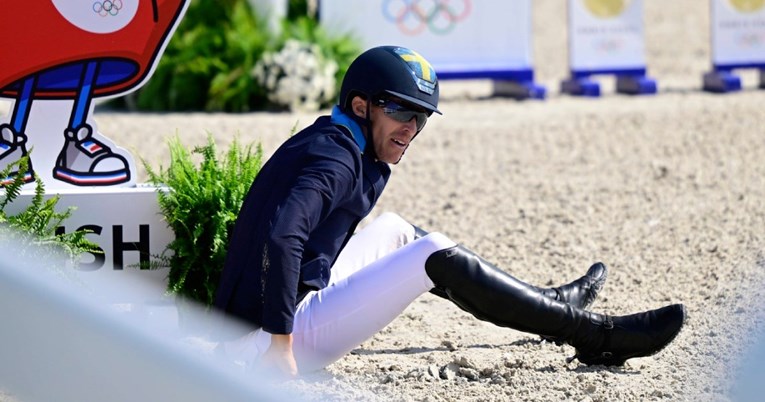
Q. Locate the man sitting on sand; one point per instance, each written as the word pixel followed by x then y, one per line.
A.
pixel 297 224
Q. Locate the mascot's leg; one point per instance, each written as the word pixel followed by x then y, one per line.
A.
pixel 492 295
pixel 12 138
pixel 85 161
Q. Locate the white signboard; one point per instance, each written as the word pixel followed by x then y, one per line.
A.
pixel 606 35
pixel 738 33
pixel 127 225
pixel 460 38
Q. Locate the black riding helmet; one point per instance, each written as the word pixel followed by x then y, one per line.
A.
pixel 389 71
pixel 392 70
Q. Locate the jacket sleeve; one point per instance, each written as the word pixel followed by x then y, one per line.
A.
pixel 320 187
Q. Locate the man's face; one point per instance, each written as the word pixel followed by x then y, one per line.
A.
pixel 391 136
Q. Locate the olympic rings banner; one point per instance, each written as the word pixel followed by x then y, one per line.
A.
pixel 738 33
pixel 461 38
pixel 606 35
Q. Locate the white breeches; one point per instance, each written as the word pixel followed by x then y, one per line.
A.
pixel 377 275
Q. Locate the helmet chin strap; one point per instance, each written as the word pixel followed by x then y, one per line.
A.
pixel 370 148
pixel 366 122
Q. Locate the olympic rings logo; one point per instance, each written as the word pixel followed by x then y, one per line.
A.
pixel 609 45
pixel 107 7
pixel 412 17
pixel 750 40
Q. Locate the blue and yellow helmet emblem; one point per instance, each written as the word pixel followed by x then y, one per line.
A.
pixel 422 72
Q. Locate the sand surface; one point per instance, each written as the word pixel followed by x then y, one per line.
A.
pixel 667 190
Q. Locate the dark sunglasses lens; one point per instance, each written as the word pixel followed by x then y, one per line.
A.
pixel 402 114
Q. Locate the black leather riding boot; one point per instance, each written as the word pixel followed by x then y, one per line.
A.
pixel 492 295
pixel 579 293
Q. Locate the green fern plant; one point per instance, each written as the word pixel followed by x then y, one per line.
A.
pixel 200 205
pixel 38 223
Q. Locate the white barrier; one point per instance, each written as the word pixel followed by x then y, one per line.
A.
pixel 606 37
pixel 60 342
pixel 737 41
pixel 462 39
pixel 127 225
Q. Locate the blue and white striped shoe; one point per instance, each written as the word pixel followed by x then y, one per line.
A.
pixel 12 149
pixel 85 161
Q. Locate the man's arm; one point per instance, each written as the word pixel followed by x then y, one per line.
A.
pixel 321 187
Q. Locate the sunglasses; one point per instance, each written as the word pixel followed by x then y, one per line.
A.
pixel 402 113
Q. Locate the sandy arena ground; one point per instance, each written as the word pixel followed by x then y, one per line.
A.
pixel 666 190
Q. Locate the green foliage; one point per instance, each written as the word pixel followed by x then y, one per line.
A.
pixel 200 205
pixel 208 62
pixel 38 224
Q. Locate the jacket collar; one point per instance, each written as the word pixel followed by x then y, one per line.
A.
pixel 339 118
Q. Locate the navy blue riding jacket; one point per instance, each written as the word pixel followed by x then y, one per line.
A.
pixel 299 213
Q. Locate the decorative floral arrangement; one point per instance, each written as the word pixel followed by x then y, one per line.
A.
pixel 297 77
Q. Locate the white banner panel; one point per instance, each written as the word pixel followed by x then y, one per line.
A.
pixel 738 32
pixel 127 225
pixel 455 36
pixel 606 35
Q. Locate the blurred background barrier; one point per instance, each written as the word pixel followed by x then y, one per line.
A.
pixel 606 37
pixel 738 42
pixel 462 39
pixel 61 342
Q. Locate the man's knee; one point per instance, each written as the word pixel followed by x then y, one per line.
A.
pixel 392 219
pixel 435 241
pixel 396 225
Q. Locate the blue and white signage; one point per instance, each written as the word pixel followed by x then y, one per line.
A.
pixel 461 38
pixel 606 37
pixel 738 41
pixel 738 33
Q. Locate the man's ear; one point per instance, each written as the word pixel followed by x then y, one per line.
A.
pixel 359 106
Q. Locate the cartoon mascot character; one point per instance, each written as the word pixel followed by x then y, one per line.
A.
pixel 65 53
